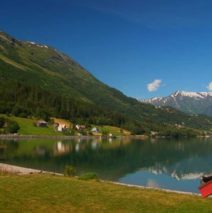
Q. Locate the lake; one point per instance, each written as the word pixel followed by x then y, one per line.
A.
pixel 168 164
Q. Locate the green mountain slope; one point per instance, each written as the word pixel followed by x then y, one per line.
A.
pixel 36 80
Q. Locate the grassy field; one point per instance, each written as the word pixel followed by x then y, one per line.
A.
pixel 27 127
pixel 42 193
pixel 115 131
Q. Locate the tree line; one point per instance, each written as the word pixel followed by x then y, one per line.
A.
pixel 28 100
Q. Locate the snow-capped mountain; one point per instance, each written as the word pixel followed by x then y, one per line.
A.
pixel 189 102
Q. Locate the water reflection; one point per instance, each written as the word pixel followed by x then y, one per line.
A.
pixel 61 148
pixel 161 163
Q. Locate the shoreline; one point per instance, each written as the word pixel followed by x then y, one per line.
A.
pixel 18 170
pixel 87 137
pixel 153 188
pixel 67 137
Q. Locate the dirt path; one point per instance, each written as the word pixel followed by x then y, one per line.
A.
pixel 21 170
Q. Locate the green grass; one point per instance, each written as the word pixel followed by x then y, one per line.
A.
pixel 116 131
pixel 27 127
pixel 41 193
pixel 88 176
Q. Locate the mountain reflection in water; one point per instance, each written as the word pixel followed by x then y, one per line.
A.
pixel 172 164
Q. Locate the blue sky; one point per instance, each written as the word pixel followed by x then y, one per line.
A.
pixel 144 48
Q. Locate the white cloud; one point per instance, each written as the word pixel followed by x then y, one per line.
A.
pixel 155 85
pixel 210 86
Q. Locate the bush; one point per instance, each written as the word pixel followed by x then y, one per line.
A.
pixel 12 127
pixel 8 126
pixel 69 171
pixel 89 176
pixel 2 122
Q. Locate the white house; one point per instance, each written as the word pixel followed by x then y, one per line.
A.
pixel 41 123
pixel 61 127
pixel 94 129
pixel 80 127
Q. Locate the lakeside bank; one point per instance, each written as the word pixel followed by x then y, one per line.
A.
pixel 52 193
pixel 65 137
pixel 89 137
pixel 18 170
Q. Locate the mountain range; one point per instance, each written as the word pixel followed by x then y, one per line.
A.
pixel 189 102
pixel 38 80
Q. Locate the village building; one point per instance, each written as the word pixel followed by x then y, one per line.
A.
pixel 61 125
pixel 95 130
pixel 41 123
pixel 80 127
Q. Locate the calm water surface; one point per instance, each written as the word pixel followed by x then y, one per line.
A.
pixel 169 164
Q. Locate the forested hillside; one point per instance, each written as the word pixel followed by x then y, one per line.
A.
pixel 37 80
